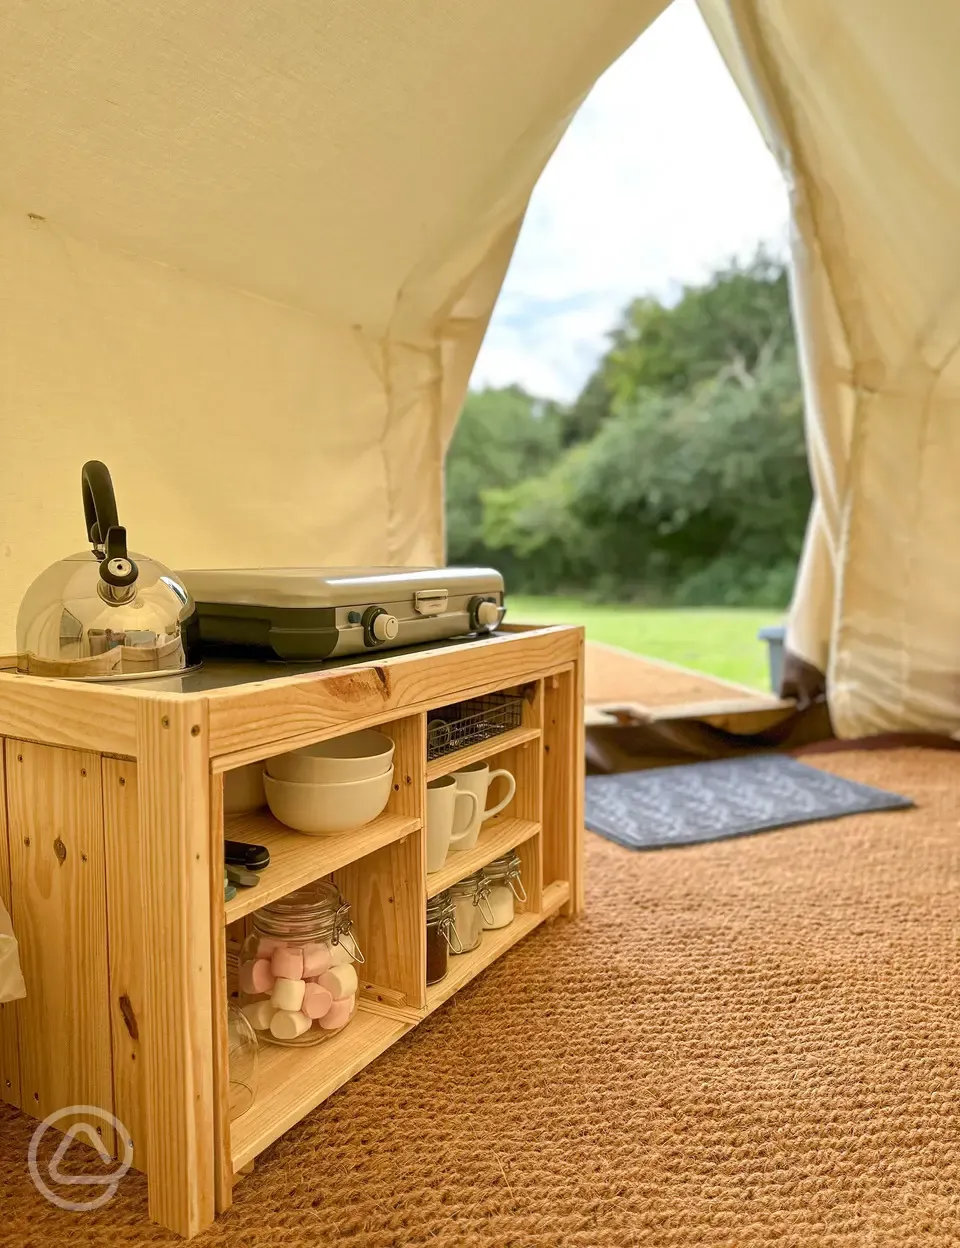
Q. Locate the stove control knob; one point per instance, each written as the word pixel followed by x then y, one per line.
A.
pixel 488 614
pixel 384 627
pixel 485 614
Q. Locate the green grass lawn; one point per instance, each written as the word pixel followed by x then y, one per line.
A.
pixel 721 641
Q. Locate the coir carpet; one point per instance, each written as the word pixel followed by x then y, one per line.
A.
pixel 750 1042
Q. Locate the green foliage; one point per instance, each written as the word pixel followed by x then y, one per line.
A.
pixel 502 437
pixel 740 317
pixel 679 475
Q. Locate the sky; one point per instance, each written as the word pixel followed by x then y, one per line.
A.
pixel 661 176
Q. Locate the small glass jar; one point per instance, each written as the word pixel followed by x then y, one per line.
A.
pixel 298 981
pixel 243 1055
pixel 504 884
pixel 470 910
pixel 441 936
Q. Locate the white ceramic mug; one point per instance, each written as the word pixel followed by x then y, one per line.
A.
pixel 477 779
pixel 443 798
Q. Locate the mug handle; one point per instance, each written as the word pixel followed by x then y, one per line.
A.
pixel 457 839
pixel 511 790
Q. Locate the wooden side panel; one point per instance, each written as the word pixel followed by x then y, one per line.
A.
pixel 524 764
pixel 223 1165
pixel 387 891
pixel 9 1050
pixel 177 1031
pixel 531 874
pixel 577 902
pixel 54 806
pixel 559 779
pixel 533 705
pixel 121 834
pixel 409 759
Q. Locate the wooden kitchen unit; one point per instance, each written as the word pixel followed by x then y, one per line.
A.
pixel 111 864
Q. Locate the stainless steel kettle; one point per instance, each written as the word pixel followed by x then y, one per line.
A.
pixel 106 613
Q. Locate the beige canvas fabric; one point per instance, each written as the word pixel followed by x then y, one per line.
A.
pixel 12 987
pixel 859 103
pixel 248 252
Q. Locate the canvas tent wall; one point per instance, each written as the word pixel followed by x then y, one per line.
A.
pixel 248 252
pixel 860 104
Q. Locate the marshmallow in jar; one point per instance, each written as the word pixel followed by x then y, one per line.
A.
pixel 505 886
pixel 298 978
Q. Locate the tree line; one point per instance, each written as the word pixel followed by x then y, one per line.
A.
pixel 678 475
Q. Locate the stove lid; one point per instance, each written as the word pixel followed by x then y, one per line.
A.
pixel 333 587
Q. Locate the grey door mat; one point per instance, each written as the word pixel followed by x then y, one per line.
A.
pixel 687 805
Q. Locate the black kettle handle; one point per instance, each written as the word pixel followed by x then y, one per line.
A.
pixel 99 501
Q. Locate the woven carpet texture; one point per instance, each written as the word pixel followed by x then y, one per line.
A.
pixel 750 1042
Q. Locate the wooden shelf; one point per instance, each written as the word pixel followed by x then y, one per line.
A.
pixel 296 859
pixel 135 776
pixel 477 753
pixel 497 837
pixel 293 1081
pixel 463 967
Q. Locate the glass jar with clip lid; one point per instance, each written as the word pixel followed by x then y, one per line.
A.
pixel 471 910
pixel 298 979
pixel 505 887
pixel 441 935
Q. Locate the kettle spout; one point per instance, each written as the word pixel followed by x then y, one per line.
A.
pixel 116 595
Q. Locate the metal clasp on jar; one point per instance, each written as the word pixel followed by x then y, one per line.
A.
pixel 506 870
pixel 447 928
pixel 480 900
pixel 342 927
pixel 516 885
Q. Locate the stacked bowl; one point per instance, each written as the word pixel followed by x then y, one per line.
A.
pixel 336 786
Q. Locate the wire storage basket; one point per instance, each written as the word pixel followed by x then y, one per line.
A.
pixel 452 728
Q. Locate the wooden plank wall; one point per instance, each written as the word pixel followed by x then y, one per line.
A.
pixel 54 808
pixel 9 1050
pixel 121 828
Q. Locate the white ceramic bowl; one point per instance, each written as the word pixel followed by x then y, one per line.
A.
pixel 243 789
pixel 359 756
pixel 327 808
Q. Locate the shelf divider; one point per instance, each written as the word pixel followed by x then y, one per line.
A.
pixel 297 859
pixel 293 1081
pixel 497 837
pixel 503 741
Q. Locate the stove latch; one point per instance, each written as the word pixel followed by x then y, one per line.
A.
pixel 430 601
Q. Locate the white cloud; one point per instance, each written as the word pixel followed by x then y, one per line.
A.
pixel 662 175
